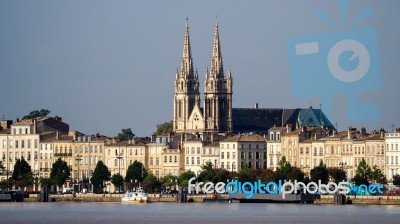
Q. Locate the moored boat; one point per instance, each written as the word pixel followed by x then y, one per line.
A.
pixel 138 196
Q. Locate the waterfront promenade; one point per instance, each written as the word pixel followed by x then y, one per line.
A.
pixel 325 199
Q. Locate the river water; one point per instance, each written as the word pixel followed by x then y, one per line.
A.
pixel 80 212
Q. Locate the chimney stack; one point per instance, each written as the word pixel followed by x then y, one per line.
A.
pixel 57 135
pixel 349 133
pixel 256 106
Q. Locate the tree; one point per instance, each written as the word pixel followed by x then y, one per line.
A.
pixel 221 175
pixel 267 175
pixel 246 175
pixel 169 180
pixel 135 172
pixel 100 174
pixel 377 175
pixel 337 174
pixel 184 178
pixel 37 113
pixel 363 173
pixel 126 134
pixel 117 180
pixel 60 172
pixel 150 182
pixel 319 172
pixel 296 174
pixel 22 175
pixel 207 173
pixel 396 180
pixel 163 128
pixel 284 169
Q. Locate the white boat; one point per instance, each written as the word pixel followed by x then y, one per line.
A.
pixel 138 196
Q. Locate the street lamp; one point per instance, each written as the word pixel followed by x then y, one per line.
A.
pixel 78 159
pixel 119 157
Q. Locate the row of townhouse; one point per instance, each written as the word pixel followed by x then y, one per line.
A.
pixel 305 148
pixel 163 155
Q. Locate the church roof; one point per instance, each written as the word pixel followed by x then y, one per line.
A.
pixel 262 119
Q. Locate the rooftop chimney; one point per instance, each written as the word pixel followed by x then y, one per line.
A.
pixel 256 106
pixel 57 135
pixel 349 133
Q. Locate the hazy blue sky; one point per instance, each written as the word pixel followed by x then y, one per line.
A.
pixel 107 65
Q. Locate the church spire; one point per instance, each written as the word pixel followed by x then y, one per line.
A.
pixel 187 63
pixel 216 58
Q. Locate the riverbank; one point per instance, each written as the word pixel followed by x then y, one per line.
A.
pixel 325 199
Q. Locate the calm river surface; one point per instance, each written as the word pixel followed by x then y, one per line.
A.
pixel 71 213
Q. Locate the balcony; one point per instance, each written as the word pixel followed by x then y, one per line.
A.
pixel 63 154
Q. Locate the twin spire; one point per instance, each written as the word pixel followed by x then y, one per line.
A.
pixel 216 70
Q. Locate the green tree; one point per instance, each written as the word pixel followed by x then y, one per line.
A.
pixel 207 173
pixel 319 172
pixel 22 175
pixel 377 175
pixel 169 180
pixel 100 175
pixel 60 172
pixel 396 180
pixel 337 174
pixel 284 169
pixel 246 175
pixel 267 175
pixel 296 174
pixel 150 182
pixel 117 180
pixel 184 178
pixel 135 172
pixel 163 128
pixel 37 113
pixel 363 173
pixel 221 175
pixel 125 134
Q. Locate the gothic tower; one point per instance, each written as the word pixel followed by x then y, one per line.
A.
pixel 218 92
pixel 186 94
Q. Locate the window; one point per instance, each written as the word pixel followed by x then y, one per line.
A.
pixel 187 160
pixel 170 159
pixel 222 165
pixel 271 149
pixel 175 159
pixel 307 150
pixel 301 150
pixel 258 155
pixel 233 146
pixel 198 150
pixel 198 160
pixel 192 160
pixel 222 155
pixel 157 161
pixel 165 159
pixel 233 155
pixel 242 155
pixel 227 155
pixel 315 151
pixel 271 161
pixel 249 146
pixel 250 155
pixel 151 161
pixel 227 146
pixel 192 150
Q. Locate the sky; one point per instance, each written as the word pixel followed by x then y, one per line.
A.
pixel 107 65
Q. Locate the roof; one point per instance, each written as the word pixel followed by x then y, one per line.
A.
pixel 212 144
pixel 245 138
pixel 263 119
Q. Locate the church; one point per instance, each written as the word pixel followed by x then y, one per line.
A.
pixel 216 114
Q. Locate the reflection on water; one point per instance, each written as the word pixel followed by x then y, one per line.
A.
pixel 68 212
